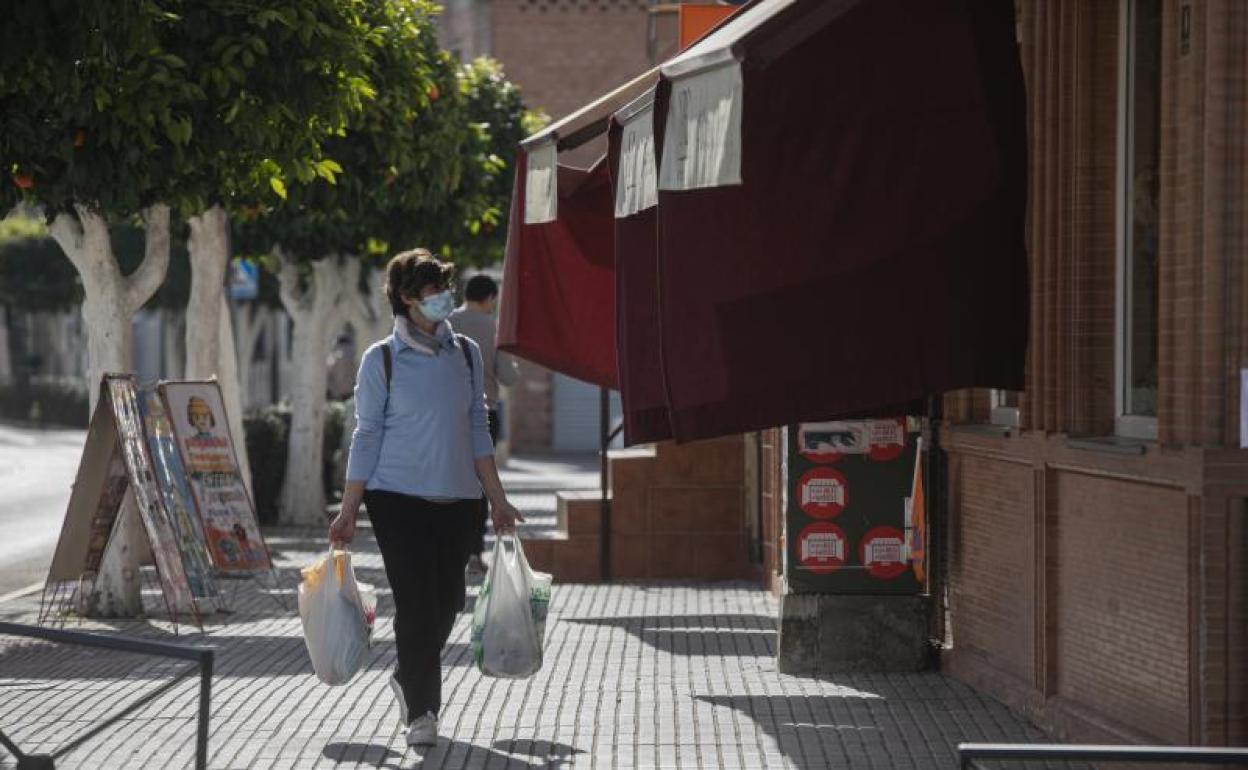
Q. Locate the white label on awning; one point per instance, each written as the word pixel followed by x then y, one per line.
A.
pixel 702 138
pixel 539 185
pixel 637 189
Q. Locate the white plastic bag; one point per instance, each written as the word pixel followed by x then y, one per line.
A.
pixel 509 620
pixel 337 614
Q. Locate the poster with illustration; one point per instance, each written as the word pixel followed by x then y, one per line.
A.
pixel 226 512
pixel 853 522
pixel 116 471
pixel 172 481
pixel 124 398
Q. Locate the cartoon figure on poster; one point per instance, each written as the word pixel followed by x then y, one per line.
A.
pixel 208 454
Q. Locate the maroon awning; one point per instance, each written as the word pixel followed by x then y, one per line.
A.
pixel 558 300
pixel 818 212
pixel 858 240
pixel 638 340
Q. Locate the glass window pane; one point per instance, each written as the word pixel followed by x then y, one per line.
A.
pixel 1142 209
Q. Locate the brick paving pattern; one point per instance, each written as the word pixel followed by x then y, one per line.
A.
pixel 641 675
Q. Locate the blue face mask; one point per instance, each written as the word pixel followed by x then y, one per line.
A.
pixel 438 307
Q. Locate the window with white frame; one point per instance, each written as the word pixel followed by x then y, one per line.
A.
pixel 1139 121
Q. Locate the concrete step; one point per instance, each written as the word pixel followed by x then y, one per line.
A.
pixel 569 559
pixel 579 512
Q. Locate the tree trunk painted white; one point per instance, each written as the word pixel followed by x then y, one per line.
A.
pixel 232 393
pixel 370 314
pixel 250 322
pixel 318 309
pixel 110 302
pixel 209 331
pixel 209 247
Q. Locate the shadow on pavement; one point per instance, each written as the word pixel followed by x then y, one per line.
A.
pixel 892 726
pixel 460 754
pixel 554 753
pixel 365 753
pixel 699 635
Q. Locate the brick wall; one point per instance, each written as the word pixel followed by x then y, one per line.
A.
pixel 992 565
pixel 564 53
pixel 532 421
pixel 1101 592
pixel 1118 585
pixel 1124 573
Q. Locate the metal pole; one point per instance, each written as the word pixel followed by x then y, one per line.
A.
pixel 604 527
pixel 205 695
pixel 939 519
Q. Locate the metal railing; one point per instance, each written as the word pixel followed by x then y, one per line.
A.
pixel 202 657
pixel 970 753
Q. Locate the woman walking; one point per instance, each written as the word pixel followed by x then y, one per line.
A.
pixel 421 458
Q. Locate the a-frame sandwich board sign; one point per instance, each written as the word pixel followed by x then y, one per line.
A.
pixel 116 464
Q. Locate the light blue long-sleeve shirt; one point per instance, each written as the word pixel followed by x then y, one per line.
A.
pixel 421 437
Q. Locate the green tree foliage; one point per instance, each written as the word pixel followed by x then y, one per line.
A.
pixel 473 229
pixel 399 157
pixel 92 110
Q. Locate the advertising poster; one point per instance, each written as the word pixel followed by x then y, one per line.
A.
pixel 171 480
pixel 851 517
pixel 124 397
pixel 199 423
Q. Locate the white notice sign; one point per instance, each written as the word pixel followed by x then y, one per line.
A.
pixel 539 185
pixel 638 186
pixel 702 138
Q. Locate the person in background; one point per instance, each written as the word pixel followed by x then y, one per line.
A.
pixel 476 319
pixel 420 459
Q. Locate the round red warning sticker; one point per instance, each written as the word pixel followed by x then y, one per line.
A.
pixel 887 439
pixel 822 493
pixel 821 547
pixel 881 552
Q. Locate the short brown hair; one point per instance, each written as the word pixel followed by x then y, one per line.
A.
pixel 409 272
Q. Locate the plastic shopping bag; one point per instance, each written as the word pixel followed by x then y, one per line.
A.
pixel 337 614
pixel 509 620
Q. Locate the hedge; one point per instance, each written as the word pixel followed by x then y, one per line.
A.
pixel 267 432
pixel 48 401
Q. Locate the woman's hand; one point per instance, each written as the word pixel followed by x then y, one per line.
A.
pixel 504 516
pixel 342 528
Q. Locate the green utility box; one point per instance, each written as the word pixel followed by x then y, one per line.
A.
pixel 855 514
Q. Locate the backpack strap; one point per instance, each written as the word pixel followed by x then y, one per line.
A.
pixel 463 347
pixel 388 366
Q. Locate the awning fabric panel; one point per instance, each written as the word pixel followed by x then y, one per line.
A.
pixel 636 280
pixel 873 253
pixel 557 306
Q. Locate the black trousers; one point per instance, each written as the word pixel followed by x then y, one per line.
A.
pixel 483 514
pixel 424 547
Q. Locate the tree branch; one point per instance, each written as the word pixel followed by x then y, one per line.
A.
pixel 146 280
pixel 295 301
pixel 66 230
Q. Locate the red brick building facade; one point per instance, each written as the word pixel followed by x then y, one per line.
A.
pixel 1099 554
pixel 1097 524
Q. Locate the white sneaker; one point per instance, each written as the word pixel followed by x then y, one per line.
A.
pixel 423 731
pixel 397 689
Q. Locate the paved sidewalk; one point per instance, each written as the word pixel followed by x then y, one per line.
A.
pixel 646 675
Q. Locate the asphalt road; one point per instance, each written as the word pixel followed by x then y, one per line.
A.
pixel 37 469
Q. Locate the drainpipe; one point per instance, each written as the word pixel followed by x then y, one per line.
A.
pixel 604 526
